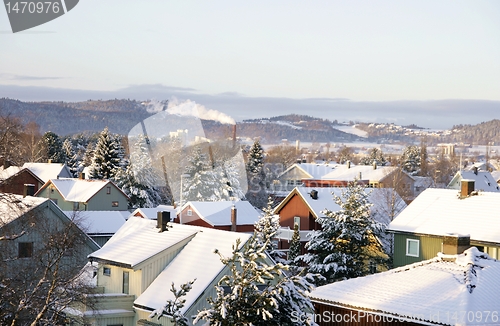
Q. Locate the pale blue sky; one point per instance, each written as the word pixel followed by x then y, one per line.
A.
pixel 356 50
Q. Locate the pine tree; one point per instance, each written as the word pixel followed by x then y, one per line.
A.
pixel 52 146
pixel 173 308
pixel 202 185
pixel 410 160
pixel 347 243
pixel 294 250
pixel 257 193
pixel 375 156
pixel 107 157
pixel 258 293
pixel 266 229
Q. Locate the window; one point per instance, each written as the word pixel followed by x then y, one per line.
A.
pixel 106 271
pixel 190 212
pixel 412 247
pixel 108 190
pixel 296 220
pixel 76 205
pixel 125 282
pixel 25 250
pixel 114 204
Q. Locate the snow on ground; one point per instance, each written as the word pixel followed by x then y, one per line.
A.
pixel 352 130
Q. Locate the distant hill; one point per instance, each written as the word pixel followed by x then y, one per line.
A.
pixel 120 115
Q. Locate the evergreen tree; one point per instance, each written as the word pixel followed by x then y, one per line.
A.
pixel 52 145
pixel 410 160
pixel 202 185
pixel 173 308
pixel 257 193
pixel 294 250
pixel 258 293
pixel 266 229
pixel 107 157
pixel 347 243
pixel 376 156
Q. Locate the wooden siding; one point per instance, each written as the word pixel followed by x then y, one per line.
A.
pixel 329 315
pixel 102 201
pixel 428 248
pixel 295 207
pixel 15 184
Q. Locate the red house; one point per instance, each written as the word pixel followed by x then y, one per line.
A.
pixel 19 181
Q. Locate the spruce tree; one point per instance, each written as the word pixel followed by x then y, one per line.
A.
pixel 257 193
pixel 52 145
pixel 202 184
pixel 266 229
pixel 347 243
pixel 294 250
pixel 411 159
pixel 107 157
pixel 375 156
pixel 256 293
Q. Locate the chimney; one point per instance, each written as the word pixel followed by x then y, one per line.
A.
pixel 348 164
pixel 374 165
pixel 162 218
pixel 466 188
pixel 360 176
pixel 454 244
pixel 81 176
pixel 29 189
pixel 6 164
pixel 233 219
pixel 474 169
pixel 49 161
pixel 314 194
pixel 234 135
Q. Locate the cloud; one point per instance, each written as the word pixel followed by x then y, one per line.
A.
pixel 25 77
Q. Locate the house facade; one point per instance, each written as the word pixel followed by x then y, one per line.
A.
pixel 420 230
pixel 238 216
pixel 84 195
pixel 304 205
pixel 138 265
pixel 19 181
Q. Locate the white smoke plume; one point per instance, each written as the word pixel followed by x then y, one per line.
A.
pixel 154 106
pixel 191 108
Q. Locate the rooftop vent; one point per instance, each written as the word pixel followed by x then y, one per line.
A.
pixel 314 194
pixel 162 218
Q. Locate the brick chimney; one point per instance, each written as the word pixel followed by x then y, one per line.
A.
pixel 466 188
pixel 29 189
pixel 234 222
pixel 454 244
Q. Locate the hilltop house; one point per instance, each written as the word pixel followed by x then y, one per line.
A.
pixel 450 289
pixel 139 264
pixel 420 229
pixel 238 216
pixel 83 194
pixel 292 177
pixel 303 205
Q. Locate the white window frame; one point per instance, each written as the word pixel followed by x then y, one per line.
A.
pixel 106 271
pixel 296 220
pixel 408 240
pixel 189 212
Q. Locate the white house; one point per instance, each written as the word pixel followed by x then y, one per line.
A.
pixel 137 266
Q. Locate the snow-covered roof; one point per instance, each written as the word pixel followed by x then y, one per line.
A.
pixel 325 201
pixel 98 222
pixel 441 290
pixel 198 255
pixel 47 171
pixel 151 213
pixel 78 190
pixel 219 212
pixel 138 240
pixel 314 170
pixel 441 211
pixel 367 172
pixel 496 175
pixel 483 180
pixel 9 172
pixel 14 206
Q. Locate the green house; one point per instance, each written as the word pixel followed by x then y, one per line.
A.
pixel 420 230
pixel 84 195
